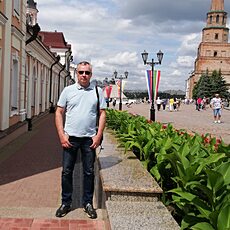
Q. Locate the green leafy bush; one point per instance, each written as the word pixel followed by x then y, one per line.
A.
pixel 193 170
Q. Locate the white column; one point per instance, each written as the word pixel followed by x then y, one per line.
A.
pixel 6 57
pixel 43 78
pixel 47 87
pixel 22 96
pixel 37 89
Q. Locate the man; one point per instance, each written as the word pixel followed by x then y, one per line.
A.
pixel 79 103
pixel 216 105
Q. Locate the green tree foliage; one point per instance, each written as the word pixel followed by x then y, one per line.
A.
pixel 144 94
pixel 207 86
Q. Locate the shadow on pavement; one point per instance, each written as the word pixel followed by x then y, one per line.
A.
pixel 32 153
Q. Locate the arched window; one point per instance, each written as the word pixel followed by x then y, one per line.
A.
pixel 224 20
pixel 217 18
pixel 210 20
pixel 215 53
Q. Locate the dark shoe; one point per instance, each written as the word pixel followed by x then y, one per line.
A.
pixel 90 211
pixel 63 210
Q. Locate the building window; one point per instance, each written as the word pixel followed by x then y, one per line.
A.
pixel 17 6
pixel 33 92
pixel 215 53
pixel 217 19
pixel 14 85
pixel 223 20
pixel 210 20
pixel 216 36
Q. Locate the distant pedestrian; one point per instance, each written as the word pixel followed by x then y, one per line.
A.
pixel 114 103
pixel 171 102
pixel 80 103
pixel 175 104
pixel 164 103
pixel 158 101
pixel 216 105
pixel 198 102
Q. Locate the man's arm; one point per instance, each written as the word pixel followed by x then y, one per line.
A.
pixel 101 126
pixel 64 138
pixel 102 121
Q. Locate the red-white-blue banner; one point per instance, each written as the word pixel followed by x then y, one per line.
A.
pixel 156 81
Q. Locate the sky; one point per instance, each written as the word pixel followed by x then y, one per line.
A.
pixel 112 34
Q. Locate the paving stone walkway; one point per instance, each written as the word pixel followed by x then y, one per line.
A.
pixel 187 117
pixel 30 169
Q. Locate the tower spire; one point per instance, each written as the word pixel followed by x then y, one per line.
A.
pixel 216 28
pixel 217 5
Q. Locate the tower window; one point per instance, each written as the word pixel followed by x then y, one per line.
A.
pixel 217 19
pixel 210 19
pixel 216 36
pixel 215 53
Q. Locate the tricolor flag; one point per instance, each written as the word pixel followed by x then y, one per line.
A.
pixel 156 81
pixel 108 90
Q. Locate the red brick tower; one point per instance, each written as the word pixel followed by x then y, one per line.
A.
pixel 214 50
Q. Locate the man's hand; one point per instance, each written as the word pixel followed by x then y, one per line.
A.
pixel 96 141
pixel 64 139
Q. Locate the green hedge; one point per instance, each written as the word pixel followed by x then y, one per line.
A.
pixel 193 170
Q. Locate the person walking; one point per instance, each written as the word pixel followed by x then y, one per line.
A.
pixel 158 102
pixel 164 103
pixel 171 103
pixel 78 102
pixel 216 105
pixel 114 103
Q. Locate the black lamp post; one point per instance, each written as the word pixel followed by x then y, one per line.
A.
pixel 121 78
pixel 152 63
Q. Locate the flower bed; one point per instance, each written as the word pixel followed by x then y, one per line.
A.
pixel 193 170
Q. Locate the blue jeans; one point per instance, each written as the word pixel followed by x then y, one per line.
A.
pixel 69 160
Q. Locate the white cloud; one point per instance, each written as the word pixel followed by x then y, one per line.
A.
pixel 112 34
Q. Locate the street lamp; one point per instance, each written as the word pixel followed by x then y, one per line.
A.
pixel 121 78
pixel 152 63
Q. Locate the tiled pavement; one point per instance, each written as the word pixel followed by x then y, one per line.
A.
pixel 50 224
pixel 30 169
pixel 190 119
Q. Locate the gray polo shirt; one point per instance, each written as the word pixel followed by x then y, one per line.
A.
pixel 81 109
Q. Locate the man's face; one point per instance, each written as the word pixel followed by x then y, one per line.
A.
pixel 84 73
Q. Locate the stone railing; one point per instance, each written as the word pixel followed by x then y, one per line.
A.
pixel 128 192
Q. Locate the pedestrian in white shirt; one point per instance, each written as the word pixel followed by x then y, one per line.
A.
pixel 216 105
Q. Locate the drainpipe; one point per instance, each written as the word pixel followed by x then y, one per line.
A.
pixel 51 103
pixel 35 30
pixel 68 75
pixel 74 73
pixel 59 79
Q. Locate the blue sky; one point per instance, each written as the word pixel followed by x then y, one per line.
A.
pixel 112 34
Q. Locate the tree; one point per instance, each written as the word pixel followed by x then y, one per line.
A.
pixel 207 86
pixel 219 84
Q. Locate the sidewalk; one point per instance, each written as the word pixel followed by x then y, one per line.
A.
pixel 30 169
pixel 189 118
